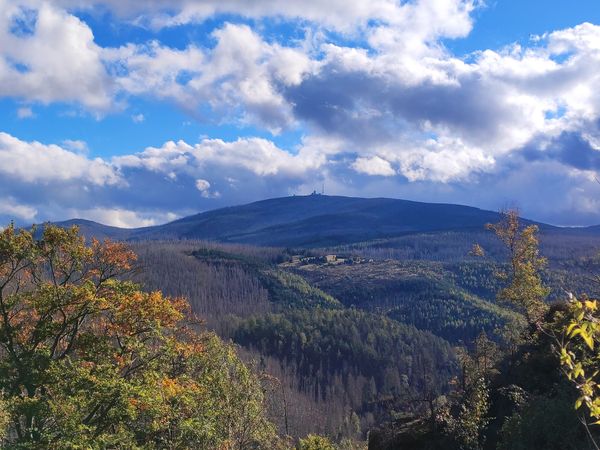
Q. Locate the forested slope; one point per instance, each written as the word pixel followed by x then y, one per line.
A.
pixel 351 342
pixel 340 363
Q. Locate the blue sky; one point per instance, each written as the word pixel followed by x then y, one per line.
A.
pixel 134 113
pixel 503 22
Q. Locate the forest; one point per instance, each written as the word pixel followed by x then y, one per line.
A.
pixel 199 344
pixel 375 337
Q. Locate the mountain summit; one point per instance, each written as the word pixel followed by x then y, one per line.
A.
pixel 308 221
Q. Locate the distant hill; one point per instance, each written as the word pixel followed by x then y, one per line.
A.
pixel 90 229
pixel 313 221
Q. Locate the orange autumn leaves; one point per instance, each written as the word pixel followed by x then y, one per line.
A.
pixel 140 311
pixel 58 288
pixel 66 309
pixel 110 254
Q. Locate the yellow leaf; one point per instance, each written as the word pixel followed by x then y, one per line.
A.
pixel 570 327
pixel 588 340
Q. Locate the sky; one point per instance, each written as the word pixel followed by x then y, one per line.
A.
pixel 136 113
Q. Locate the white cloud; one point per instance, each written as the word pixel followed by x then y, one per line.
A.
pixel 505 95
pixel 444 160
pixel 25 112
pixel 444 119
pixel 240 71
pixel 153 69
pixel 204 187
pixel 76 146
pixel 9 207
pixel 33 162
pixel 373 166
pixel 48 55
pixel 138 118
pixel 256 155
pixel 162 183
pixel 417 26
pixel 581 37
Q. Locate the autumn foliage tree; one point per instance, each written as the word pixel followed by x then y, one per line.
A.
pixel 88 360
pixel 524 288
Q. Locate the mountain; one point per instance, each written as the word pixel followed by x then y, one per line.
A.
pixel 313 221
pixel 90 228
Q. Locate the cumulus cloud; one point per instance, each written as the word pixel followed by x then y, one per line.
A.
pixel 142 69
pixel 51 182
pixel 373 166
pixel 402 82
pixel 445 119
pixel 9 207
pixel 258 156
pixel 204 187
pixel 34 162
pixel 162 183
pixel 49 55
pixel 240 71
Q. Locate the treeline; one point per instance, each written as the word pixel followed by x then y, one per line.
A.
pixel 454 300
pixel 422 294
pixel 324 343
pixel 450 246
pixel 481 277
pixel 363 363
pixel 443 246
pixel 213 289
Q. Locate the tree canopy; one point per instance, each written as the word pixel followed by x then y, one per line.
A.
pixel 88 360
